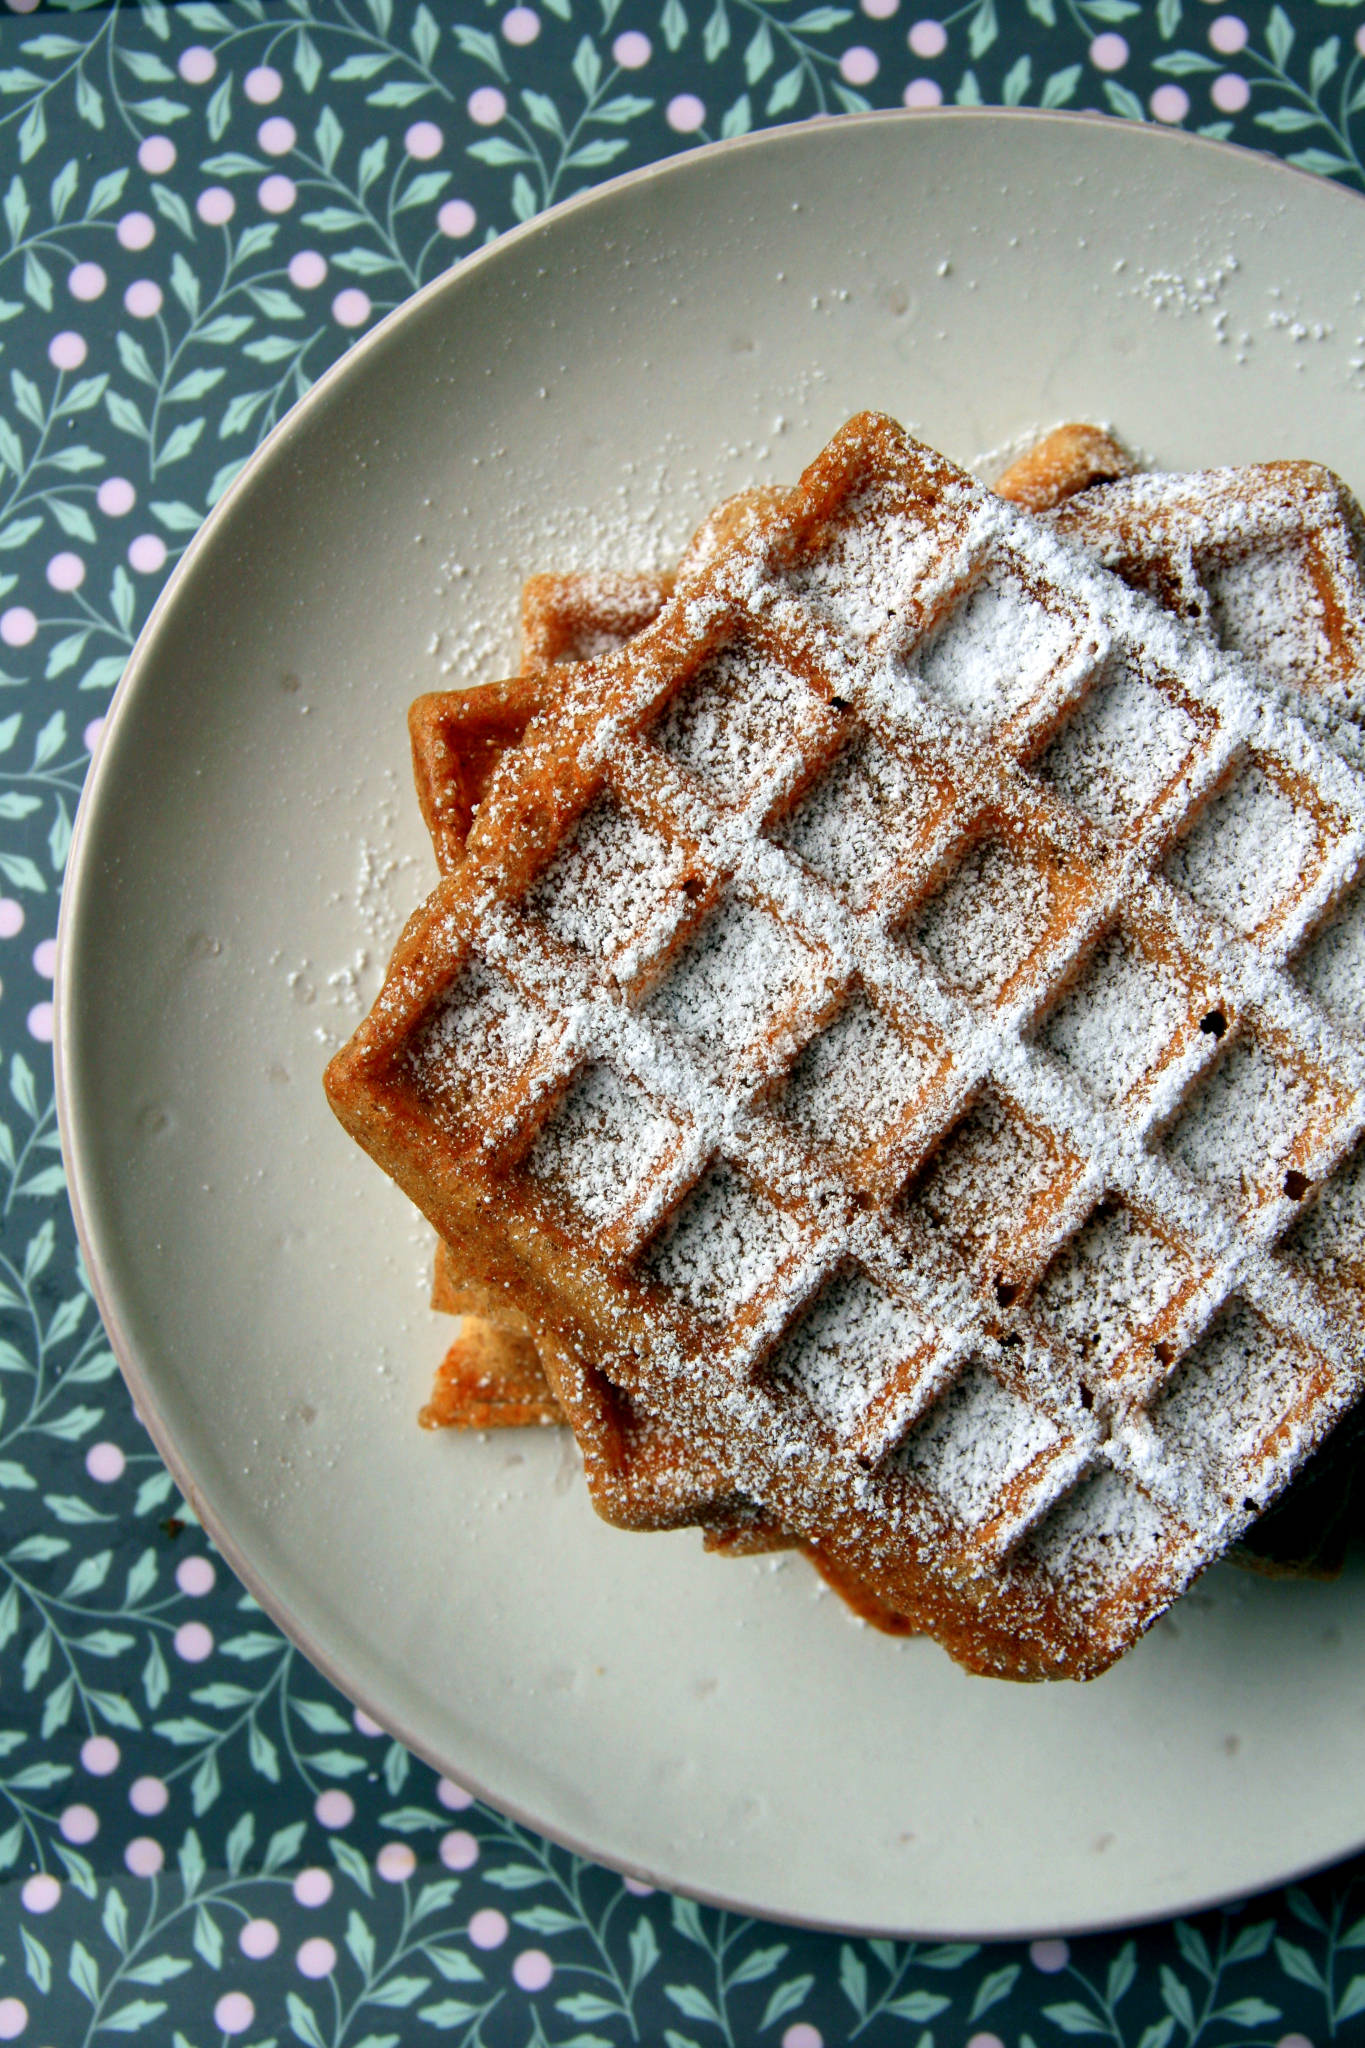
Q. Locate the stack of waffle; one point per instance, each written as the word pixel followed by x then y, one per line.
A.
pixel 884 1057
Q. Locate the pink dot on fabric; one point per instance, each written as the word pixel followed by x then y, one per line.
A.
pixel 86 280
pixel 1228 35
pixel 334 1808
pixel 156 153
pixel 486 105
pixel 93 734
pixel 632 50
pixel 521 25
pixel 1170 103
pixel 1360 39
pixel 147 553
pixel 99 1755
pixel 136 231
pixel 313 1887
pixel 143 298
pixel 532 1970
pixel 859 66
pixel 459 1850
pixel 79 1824
pixel 13 2011
pixel 307 269
pixel 923 92
pixel 685 113
pixel 105 1463
pixel 195 1576
pixel 1229 93
pixel 11 917
pixel 149 1796
pixel 66 572
pixel 45 963
pixel 17 626
pixel 363 1724
pixel 41 1892
pixel 143 1856
pixel 1293 2041
pixel 234 2012
pixel 928 38
pixel 456 219
pixel 115 496
pixel 985 2041
pixel 1109 52
pixel 317 1957
pixel 215 206
pixel 637 1888
pixel 193 1641
pixel 351 308
pixel 452 1796
pixel 880 10
pixel 259 1939
pixel 277 135
pixel 262 85
pixel 1049 1956
pixel 395 1862
pixel 488 1928
pixel 803 2035
pixel 197 65
pixel 277 193
pixel 67 350
pixel 423 140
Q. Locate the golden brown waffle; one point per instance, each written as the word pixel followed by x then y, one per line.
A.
pixel 1267 559
pixel 714 1044
pixel 1068 460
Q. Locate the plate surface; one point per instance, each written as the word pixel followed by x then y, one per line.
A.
pixel 249 844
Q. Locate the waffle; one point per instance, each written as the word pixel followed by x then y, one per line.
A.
pixel 902 939
pixel 1268 559
pixel 1063 463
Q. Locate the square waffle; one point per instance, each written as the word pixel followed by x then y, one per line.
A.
pixel 631 1111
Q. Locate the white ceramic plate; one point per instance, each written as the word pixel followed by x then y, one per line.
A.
pixel 249 842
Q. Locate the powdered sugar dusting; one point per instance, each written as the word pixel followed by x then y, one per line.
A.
pixel 723 1247
pixel 611 880
pixel 602 1143
pixel 1246 852
pixel 1240 1126
pixel 858 821
pixel 857 1078
pixel 1329 1242
pixel 1333 968
pixel 1266 605
pixel 479 1035
pixel 845 1347
pixel 993 653
pixel 986 919
pixel 973 1441
pixel 1102 1529
pixel 1120 750
pixel 870 561
pixel 1239 1381
pixel 1113 1026
pixel 738 972
pixel 734 721
pixel 1109 1281
pixel 973 1200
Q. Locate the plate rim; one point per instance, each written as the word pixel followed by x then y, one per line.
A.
pixel 77 882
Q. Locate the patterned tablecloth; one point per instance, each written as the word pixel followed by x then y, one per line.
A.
pixel 202 206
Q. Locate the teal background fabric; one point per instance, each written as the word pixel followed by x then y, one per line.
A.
pixel 200 208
